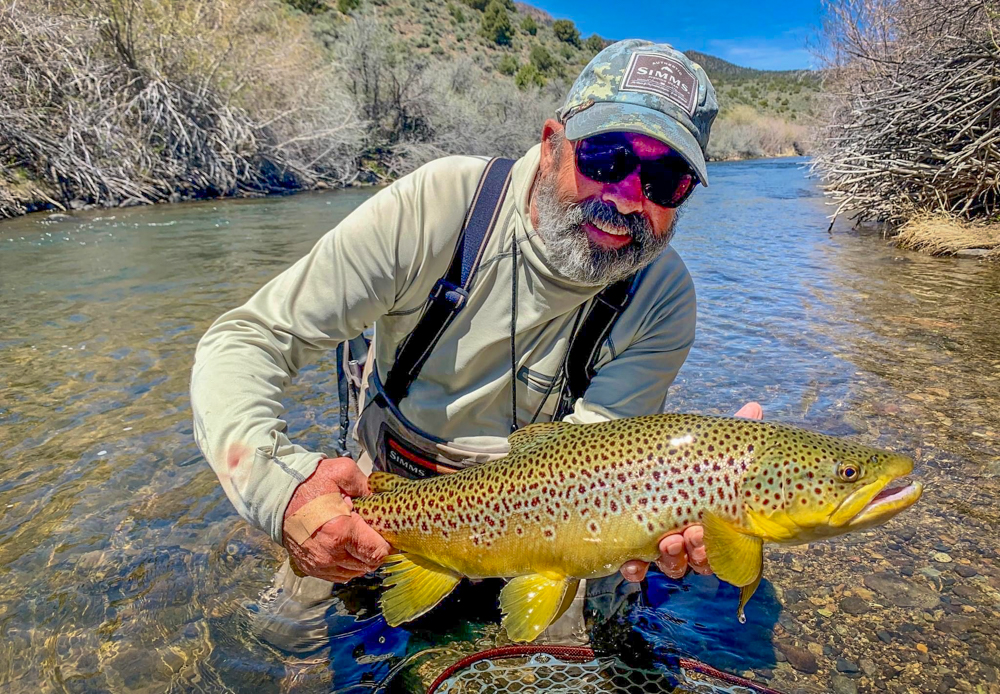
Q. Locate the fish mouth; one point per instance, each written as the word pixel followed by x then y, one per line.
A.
pixel 887 503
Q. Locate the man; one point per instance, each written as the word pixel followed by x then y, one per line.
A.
pixel 594 204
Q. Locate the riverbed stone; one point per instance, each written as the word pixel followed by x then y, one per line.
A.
pixel 799 658
pixel 847 667
pixel 900 592
pixel 972 252
pixel 966 592
pixel 955 625
pixel 854 605
pixel 868 667
pixel 964 570
pixel 843 685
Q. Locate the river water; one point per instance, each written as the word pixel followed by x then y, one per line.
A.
pixel 123 567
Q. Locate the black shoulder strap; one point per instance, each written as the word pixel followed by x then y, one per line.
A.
pixel 580 365
pixel 451 291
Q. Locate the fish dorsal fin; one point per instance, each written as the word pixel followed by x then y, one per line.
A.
pixel 386 482
pixel 530 603
pixel 534 434
pixel 735 557
pixel 414 586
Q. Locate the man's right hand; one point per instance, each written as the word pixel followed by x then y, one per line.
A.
pixel 345 547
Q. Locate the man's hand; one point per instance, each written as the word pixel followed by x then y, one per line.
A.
pixel 681 550
pixel 345 547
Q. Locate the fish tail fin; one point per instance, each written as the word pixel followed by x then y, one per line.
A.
pixel 530 603
pixel 414 586
pixel 386 482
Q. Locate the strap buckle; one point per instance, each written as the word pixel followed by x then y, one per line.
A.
pixel 449 293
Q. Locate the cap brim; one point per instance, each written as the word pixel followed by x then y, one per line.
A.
pixel 608 117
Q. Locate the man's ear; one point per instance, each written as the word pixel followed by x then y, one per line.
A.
pixel 548 161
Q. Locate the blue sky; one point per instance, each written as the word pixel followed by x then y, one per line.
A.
pixel 762 34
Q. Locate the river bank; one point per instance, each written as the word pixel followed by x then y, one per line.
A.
pixel 31 198
pixel 144 101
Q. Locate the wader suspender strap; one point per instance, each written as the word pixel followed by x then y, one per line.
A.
pixel 451 291
pixel 580 365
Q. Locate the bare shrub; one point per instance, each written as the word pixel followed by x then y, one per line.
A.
pixel 915 107
pixel 419 110
pixel 117 102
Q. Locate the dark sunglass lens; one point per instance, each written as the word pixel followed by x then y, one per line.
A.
pixel 605 160
pixel 667 184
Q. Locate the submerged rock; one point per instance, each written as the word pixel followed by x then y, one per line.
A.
pixel 799 658
pixel 900 592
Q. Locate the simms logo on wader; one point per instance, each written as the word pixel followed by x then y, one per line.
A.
pixel 663 76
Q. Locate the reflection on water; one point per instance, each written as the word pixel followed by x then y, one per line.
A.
pixel 125 568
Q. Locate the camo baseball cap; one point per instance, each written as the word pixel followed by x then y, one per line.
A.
pixel 649 88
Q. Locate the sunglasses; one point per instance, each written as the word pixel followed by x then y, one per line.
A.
pixel 609 158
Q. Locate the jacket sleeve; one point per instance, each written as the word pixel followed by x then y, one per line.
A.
pixel 354 275
pixel 648 346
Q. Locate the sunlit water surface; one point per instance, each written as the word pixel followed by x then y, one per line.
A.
pixel 123 567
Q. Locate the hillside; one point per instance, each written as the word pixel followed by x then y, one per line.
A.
pixel 141 101
pixel 786 93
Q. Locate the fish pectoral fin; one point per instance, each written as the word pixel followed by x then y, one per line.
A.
pixel 386 482
pixel 746 592
pixel 735 557
pixel 414 586
pixel 530 603
pixel 534 434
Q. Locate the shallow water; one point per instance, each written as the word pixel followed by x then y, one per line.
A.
pixel 124 568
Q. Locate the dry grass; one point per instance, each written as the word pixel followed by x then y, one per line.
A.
pixel 943 234
pixel 744 133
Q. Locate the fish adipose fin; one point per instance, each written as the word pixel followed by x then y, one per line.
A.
pixel 735 557
pixel 530 603
pixel 414 586
pixel 534 434
pixel 386 482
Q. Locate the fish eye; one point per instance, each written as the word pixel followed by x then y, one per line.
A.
pixel 849 472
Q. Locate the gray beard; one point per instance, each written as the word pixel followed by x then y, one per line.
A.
pixel 574 255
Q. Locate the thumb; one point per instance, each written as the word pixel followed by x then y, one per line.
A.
pixel 364 543
pixel 752 410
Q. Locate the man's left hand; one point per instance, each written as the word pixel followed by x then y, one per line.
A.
pixel 679 551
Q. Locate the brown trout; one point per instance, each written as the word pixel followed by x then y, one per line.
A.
pixel 576 501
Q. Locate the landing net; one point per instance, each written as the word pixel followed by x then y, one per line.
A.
pixel 578 670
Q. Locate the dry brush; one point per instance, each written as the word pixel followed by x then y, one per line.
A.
pixel 913 109
pixel 117 102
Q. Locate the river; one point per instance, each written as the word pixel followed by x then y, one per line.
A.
pixel 124 568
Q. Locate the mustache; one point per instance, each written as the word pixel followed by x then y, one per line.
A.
pixel 594 210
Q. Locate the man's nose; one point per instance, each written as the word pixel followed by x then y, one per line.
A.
pixel 626 195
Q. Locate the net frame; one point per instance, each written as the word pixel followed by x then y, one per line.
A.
pixel 579 656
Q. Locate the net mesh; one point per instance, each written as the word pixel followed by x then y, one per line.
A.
pixel 544 672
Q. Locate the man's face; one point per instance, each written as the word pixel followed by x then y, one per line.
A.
pixel 597 233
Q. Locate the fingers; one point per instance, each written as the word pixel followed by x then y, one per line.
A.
pixel 752 410
pixel 345 547
pixel 347 476
pixel 694 546
pixel 634 571
pixel 673 558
